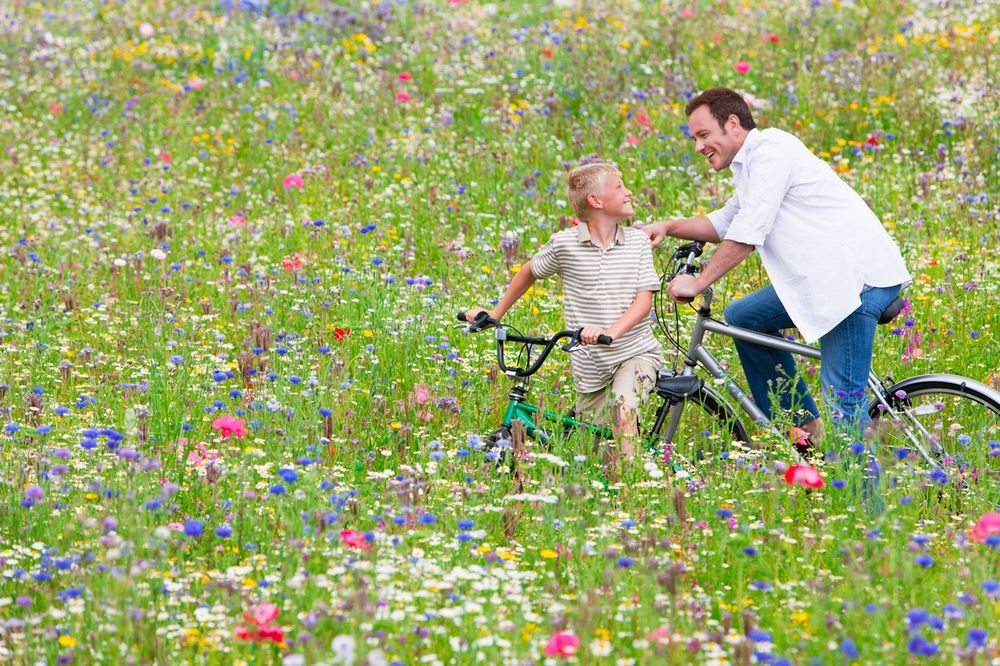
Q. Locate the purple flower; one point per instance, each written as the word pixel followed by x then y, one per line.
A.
pixel 33 493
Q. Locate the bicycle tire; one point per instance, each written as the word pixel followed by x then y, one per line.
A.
pixel 716 420
pixel 956 418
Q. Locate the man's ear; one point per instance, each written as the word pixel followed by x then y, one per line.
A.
pixel 733 122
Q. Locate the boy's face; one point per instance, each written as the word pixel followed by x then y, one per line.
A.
pixel 719 145
pixel 614 198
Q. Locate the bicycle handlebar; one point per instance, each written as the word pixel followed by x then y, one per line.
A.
pixel 484 321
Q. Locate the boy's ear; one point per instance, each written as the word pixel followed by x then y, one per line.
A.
pixel 594 201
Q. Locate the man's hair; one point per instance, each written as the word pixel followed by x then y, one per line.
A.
pixel 722 103
pixel 585 180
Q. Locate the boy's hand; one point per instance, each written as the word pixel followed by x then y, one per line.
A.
pixel 683 288
pixel 589 334
pixel 471 315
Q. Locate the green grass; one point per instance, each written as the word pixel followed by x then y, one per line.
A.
pixel 116 144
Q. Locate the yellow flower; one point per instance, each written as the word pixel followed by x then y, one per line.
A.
pixel 548 554
pixel 67 641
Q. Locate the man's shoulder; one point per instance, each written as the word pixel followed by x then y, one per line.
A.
pixel 774 137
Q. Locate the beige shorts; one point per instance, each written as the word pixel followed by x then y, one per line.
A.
pixel 630 386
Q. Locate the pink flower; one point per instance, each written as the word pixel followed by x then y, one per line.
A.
pixel 402 96
pixel 660 636
pixel 562 644
pixel 229 426
pixel 293 263
pixel 195 84
pixel 798 436
pixel 405 76
pixel 742 67
pixel 292 180
pixel 987 526
pixel 202 455
pixel 632 140
pixel 56 107
pixel 165 157
pixel 262 614
pixel 354 539
pixel 803 475
pixel 687 12
pixel 642 119
pixel 237 220
pixel 420 394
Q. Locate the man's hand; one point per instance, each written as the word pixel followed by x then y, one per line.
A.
pixel 589 334
pixel 656 231
pixel 683 288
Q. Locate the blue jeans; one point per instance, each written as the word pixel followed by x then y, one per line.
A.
pixel 845 357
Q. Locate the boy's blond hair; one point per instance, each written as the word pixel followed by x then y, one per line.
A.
pixel 583 181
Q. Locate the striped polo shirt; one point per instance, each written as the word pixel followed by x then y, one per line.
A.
pixel 598 286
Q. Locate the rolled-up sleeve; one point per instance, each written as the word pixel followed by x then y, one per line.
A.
pixel 723 217
pixel 768 175
pixel 648 279
pixel 545 262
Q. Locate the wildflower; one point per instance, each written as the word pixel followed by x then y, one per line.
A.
pixel 988 525
pixel 292 180
pixel 977 638
pixel 562 644
pixel 924 561
pixel 403 97
pixel 293 262
pixel 259 617
pixel 33 493
pixel 759 636
pixel 340 333
pixel 229 426
pixel 343 648
pixel 849 649
pixel 355 539
pixel 742 67
pixel 158 254
pixel 803 475
pixel 193 528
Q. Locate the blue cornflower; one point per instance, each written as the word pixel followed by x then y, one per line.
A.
pixel 288 475
pixel 193 528
pixel 466 524
pixel 916 617
pixel 427 519
pixel 750 551
pixel 977 638
pixel 625 562
pixel 224 532
pixel 759 636
pixel 277 489
pixel 761 585
pixel 723 513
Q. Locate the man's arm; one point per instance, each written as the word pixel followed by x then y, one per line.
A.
pixel 521 283
pixel 698 228
pixel 729 255
pixel 635 313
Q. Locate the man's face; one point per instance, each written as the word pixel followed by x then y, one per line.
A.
pixel 718 144
pixel 615 197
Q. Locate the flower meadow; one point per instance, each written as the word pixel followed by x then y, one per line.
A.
pixel 240 424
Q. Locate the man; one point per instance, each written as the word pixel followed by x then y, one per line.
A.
pixel 833 267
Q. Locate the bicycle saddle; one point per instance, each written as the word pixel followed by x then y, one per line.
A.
pixel 677 387
pixel 892 310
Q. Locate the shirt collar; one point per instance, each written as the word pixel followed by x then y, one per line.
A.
pixel 753 138
pixel 583 234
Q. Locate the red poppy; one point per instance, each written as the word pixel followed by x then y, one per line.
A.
pixel 340 333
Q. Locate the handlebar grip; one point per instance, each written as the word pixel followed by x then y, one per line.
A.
pixel 461 317
pixel 604 339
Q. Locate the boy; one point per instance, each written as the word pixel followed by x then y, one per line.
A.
pixel 608 280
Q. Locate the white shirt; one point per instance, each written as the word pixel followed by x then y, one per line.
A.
pixel 819 242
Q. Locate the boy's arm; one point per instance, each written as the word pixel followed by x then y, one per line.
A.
pixel 635 313
pixel 521 283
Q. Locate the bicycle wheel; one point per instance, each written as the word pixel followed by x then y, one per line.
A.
pixel 708 423
pixel 956 419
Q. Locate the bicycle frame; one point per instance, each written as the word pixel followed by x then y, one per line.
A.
pixel 698 354
pixel 518 409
